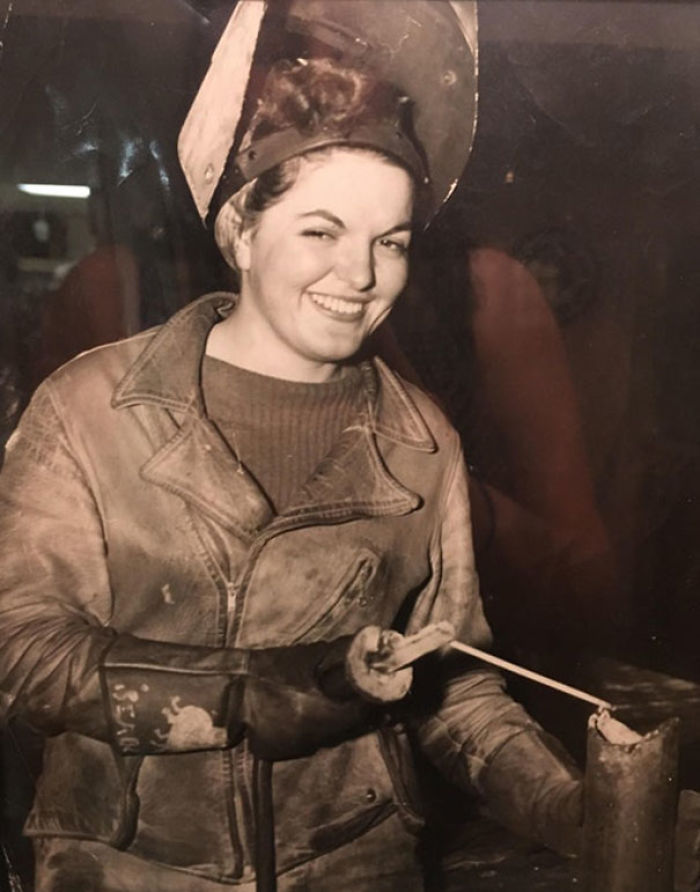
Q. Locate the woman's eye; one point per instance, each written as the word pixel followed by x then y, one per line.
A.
pixel 320 234
pixel 396 247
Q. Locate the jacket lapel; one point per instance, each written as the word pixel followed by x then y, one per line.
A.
pixel 198 465
pixel 352 481
pixel 167 373
pixel 394 414
pixel 192 459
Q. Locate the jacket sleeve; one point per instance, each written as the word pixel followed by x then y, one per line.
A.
pixel 475 715
pixel 62 666
pixel 476 734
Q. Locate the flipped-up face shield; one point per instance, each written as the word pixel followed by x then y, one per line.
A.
pixel 426 49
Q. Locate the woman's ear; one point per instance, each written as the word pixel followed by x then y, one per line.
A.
pixel 233 237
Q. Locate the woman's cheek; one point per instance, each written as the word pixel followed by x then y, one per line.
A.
pixel 311 264
pixel 394 277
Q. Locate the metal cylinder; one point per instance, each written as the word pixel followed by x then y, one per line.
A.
pixel 630 807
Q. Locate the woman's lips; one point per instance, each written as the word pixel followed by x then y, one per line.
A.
pixel 338 307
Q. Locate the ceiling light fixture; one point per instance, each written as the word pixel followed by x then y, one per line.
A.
pixel 54 191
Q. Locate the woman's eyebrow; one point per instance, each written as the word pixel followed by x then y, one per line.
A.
pixel 336 221
pixel 400 227
pixel 406 226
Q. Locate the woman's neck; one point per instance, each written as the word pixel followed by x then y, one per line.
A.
pixel 239 340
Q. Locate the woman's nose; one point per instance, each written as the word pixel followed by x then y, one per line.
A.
pixel 355 266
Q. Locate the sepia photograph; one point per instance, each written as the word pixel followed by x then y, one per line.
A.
pixel 349 445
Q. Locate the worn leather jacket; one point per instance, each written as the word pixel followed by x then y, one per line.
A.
pixel 124 513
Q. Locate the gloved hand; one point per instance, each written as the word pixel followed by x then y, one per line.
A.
pixel 289 701
pixel 279 702
pixel 293 700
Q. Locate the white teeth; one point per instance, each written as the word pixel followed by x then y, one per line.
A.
pixel 336 304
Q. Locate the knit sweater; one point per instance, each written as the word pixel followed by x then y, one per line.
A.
pixel 279 430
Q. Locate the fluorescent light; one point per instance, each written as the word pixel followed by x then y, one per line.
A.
pixel 54 191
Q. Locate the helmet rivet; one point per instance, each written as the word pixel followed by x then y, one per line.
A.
pixel 209 173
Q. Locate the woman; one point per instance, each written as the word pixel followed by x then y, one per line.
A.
pixel 196 520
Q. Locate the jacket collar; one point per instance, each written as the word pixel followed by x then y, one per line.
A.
pixel 167 374
pixel 197 464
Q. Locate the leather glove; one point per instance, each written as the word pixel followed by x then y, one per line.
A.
pixel 164 697
pixel 533 787
pixel 282 706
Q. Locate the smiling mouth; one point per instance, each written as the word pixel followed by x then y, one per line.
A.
pixel 338 306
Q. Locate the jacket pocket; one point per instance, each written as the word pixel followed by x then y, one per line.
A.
pixel 356 590
pixel 328 799
pixel 177 792
pixel 85 790
pixel 334 835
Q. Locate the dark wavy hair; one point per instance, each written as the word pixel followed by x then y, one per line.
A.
pixel 309 95
pixel 315 94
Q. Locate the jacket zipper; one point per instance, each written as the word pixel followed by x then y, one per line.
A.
pixel 236 791
pixel 241 761
pixel 236 593
pixel 240 806
pixel 231 596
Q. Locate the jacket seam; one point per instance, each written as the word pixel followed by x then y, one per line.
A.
pixel 217 575
pixel 246 534
pixel 449 480
pixel 172 670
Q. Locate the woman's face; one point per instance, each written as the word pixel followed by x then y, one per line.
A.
pixel 322 267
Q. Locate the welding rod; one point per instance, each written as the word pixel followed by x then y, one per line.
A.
pixel 396 653
pixel 528 673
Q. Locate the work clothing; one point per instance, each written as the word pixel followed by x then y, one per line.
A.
pixel 382 860
pixel 133 541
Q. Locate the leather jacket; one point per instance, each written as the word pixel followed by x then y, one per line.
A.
pixel 124 513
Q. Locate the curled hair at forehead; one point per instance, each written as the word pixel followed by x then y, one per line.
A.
pixel 243 208
pixel 320 94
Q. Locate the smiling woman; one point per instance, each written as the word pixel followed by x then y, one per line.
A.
pixel 321 268
pixel 321 239
pixel 198 521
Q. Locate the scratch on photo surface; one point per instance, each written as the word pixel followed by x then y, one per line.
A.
pixel 6 19
pixel 407 33
pixel 192 8
pixel 12 875
pixel 84 120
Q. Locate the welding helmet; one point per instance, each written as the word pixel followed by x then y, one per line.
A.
pixel 425 49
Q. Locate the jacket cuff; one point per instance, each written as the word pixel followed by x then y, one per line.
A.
pixel 163 698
